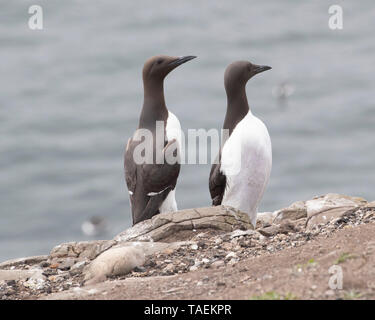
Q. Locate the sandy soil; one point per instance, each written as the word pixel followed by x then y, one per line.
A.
pixel 293 273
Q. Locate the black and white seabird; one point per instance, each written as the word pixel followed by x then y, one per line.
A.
pixel 240 176
pixel 152 185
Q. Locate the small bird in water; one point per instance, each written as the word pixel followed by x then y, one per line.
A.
pixel 240 175
pixel 282 91
pixel 152 185
pixel 94 226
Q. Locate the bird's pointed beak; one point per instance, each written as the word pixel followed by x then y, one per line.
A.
pixel 180 60
pixel 259 69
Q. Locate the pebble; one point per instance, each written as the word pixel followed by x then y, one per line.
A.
pixel 218 241
pixel 66 264
pixel 217 264
pixel 200 235
pixel 168 251
pixel 230 255
pixel 169 267
pixel 227 246
pixel 78 265
pixel 139 269
pixel 262 238
pixel 11 283
pixel 44 264
pixel 35 284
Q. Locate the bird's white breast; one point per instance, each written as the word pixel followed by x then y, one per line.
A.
pixel 172 131
pixel 246 162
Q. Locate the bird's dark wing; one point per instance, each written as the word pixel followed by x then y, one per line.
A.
pixel 149 184
pixel 217 184
pixel 162 176
pixel 130 167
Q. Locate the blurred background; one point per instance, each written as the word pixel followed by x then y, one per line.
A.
pixel 71 94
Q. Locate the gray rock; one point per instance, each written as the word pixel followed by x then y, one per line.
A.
pixel 27 260
pixel 370 205
pixel 284 227
pixel 265 219
pixel 169 268
pixel 114 262
pixel 164 225
pixel 10 283
pixel 194 246
pixel 81 250
pixel 37 281
pixel 218 241
pixel 139 269
pixel 240 233
pixel 7 275
pixel 44 264
pixel 295 211
pixel 79 265
pixel 150 248
pixel 230 255
pixel 66 264
pixel 323 209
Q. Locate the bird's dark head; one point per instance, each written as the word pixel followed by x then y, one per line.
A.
pixel 239 72
pixel 158 67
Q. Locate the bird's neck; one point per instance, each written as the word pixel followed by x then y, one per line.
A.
pixel 154 108
pixel 237 107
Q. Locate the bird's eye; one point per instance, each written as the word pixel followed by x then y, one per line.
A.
pixel 159 61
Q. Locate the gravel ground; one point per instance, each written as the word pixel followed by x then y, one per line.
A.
pixel 207 254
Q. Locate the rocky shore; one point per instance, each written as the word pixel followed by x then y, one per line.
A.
pixel 212 253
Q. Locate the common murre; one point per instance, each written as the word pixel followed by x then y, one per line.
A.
pixel 240 176
pixel 152 185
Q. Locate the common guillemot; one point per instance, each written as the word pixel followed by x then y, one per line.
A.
pixel 152 185
pixel 240 176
